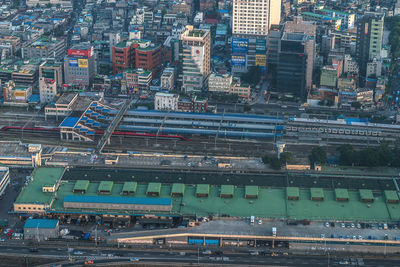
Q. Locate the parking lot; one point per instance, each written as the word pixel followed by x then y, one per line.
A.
pixel 314 229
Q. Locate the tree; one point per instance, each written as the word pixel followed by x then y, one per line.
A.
pixel 275 163
pixel 330 102
pixel 318 155
pixel 321 103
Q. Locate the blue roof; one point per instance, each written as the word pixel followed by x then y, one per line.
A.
pixel 118 200
pixel 41 223
pixel 69 122
pixel 34 99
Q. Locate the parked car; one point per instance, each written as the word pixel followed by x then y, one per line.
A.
pixel 133 259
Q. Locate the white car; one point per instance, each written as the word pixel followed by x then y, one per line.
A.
pixel 259 221
pixel 78 253
pixel 133 259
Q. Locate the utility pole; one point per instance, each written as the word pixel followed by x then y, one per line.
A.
pixel 96 235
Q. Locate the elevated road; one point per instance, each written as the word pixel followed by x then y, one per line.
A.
pixel 114 123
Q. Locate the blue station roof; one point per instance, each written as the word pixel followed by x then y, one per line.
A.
pixel 69 122
pixel 41 223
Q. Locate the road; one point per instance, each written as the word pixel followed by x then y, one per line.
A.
pixel 189 257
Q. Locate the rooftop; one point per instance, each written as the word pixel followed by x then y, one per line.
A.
pixel 32 192
pixel 41 223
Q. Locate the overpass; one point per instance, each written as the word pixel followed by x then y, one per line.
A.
pixel 114 123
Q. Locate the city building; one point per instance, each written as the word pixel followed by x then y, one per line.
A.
pixel 296 60
pixel 255 17
pixel 136 79
pixel 13 93
pixel 348 19
pixel 329 76
pixel 47 89
pixel 136 54
pixel 336 23
pixel 168 79
pixel 4 179
pixel 9 45
pixel 195 54
pixel 350 65
pixel 219 83
pixel 193 104
pixel 52 70
pixel 44 3
pixel 41 229
pixel 79 66
pixel 240 89
pixel 164 101
pixel 45 47
pixel 369 40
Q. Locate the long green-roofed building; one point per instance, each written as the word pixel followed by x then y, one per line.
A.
pixel 187 200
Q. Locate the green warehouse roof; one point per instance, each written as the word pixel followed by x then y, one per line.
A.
pixel 105 186
pixel 129 187
pixel 81 185
pixel 251 191
pixel 366 195
pixel 178 189
pixel 154 188
pixel 317 193
pixel 202 189
pixel 227 190
pixel 391 196
pixel 33 193
pixel 341 194
pixel 292 193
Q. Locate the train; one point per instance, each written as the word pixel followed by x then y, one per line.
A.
pixel 330 130
pixel 99 132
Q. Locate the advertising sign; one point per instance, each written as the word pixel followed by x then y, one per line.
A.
pixel 261 60
pixel 83 53
pixel 261 46
pixel 73 63
pixel 83 63
pixel 238 60
pixel 19 95
pixel 240 45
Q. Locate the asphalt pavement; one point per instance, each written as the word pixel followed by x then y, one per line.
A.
pixel 193 257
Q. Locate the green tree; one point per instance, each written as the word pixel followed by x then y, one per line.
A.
pixel 330 102
pixel 275 163
pixel 318 155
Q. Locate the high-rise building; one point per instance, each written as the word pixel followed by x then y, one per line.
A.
pixel 369 40
pixel 195 55
pixel 79 65
pixel 296 60
pixel 50 80
pixel 255 17
pixel 136 54
pixel 251 23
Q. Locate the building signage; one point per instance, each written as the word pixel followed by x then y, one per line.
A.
pixel 82 53
pixel 83 63
pixel 73 63
pixel 240 45
pixel 238 60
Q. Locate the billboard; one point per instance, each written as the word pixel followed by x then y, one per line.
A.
pixel 83 63
pixel 240 45
pixel 261 60
pixel 19 95
pixel 261 46
pixel 82 53
pixel 73 63
pixel 238 60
